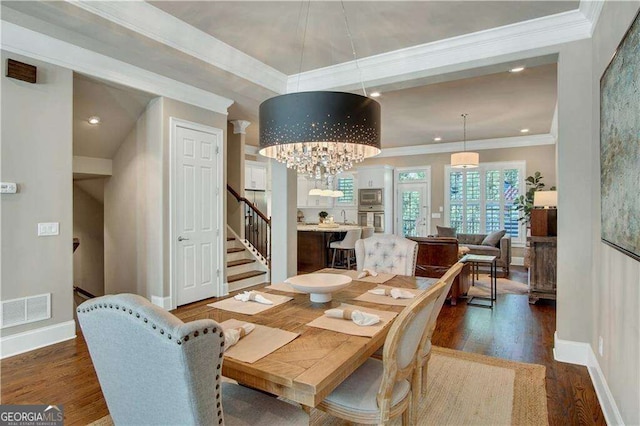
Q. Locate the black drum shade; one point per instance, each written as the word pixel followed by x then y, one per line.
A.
pixel 320 133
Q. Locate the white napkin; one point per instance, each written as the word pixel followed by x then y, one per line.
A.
pixel 367 272
pixel 233 335
pixel 396 293
pixel 253 297
pixel 358 317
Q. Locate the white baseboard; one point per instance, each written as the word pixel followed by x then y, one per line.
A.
pixel 163 302
pixel 225 289
pixel 582 354
pixel 34 339
pixel 517 261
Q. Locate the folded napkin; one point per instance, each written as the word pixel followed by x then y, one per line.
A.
pixel 358 317
pixel 253 297
pixel 396 293
pixel 367 272
pixel 233 335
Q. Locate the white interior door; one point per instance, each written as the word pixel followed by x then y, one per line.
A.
pixel 413 210
pixel 196 215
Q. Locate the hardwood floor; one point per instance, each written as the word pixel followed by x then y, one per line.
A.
pixel 63 373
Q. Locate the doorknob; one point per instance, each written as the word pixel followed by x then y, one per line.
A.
pixel 181 238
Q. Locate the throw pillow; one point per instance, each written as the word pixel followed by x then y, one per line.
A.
pixel 493 239
pixel 444 231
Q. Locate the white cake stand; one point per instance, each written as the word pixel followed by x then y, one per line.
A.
pixel 319 286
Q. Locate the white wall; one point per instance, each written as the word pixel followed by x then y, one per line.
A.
pixel 36 152
pixel 137 220
pixel 88 227
pixel 616 278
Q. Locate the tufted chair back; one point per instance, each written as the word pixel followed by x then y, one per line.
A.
pixel 152 367
pixel 388 254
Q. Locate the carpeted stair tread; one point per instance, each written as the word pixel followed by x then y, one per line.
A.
pixel 239 262
pixel 244 275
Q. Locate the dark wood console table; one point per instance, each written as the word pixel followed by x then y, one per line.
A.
pixel 543 268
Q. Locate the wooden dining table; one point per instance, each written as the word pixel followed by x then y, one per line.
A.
pixel 311 366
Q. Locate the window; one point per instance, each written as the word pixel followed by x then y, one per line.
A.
pixel 411 176
pixel 481 200
pixel 345 184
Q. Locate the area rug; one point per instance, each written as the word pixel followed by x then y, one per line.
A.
pixel 505 286
pixel 469 389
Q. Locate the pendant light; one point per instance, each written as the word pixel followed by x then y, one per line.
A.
pixel 465 159
pixel 320 134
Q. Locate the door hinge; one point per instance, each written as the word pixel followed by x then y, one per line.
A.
pixel 218 272
pixel 217 150
pixel 217 232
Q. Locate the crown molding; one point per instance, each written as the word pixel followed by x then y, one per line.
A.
pixel 475 145
pixel 30 43
pixel 457 53
pixel 158 25
pixel 591 10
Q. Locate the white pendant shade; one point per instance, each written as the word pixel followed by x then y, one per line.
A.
pixel 337 194
pixel 315 191
pixel 465 160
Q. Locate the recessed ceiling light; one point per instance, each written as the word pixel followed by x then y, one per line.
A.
pixel 516 69
pixel 438 139
pixel 95 120
pixel 524 131
pixel 374 94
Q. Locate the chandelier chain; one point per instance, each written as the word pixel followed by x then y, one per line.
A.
pixel 304 38
pixel 353 47
pixel 464 138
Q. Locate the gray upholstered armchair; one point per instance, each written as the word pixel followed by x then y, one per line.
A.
pixel 388 254
pixel 155 369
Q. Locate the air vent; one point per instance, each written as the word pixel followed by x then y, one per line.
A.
pixel 25 310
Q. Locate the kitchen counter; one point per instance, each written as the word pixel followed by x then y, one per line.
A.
pixel 339 228
pixel 313 245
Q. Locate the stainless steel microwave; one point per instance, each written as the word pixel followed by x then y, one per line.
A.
pixel 370 197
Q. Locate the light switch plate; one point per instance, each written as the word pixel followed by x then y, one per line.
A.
pixel 48 229
pixel 435 215
pixel 8 188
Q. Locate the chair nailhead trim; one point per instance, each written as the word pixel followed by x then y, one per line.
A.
pixel 196 334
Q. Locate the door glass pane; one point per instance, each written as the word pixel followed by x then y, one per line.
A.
pixel 473 219
pixel 511 223
pixel 410 213
pixel 409 176
pixel 511 192
pixel 473 186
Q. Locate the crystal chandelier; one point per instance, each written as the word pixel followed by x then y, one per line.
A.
pixel 320 134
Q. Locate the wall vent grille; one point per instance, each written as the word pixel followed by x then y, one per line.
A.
pixel 25 310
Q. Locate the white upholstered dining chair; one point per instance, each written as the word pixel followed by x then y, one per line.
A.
pixel 155 369
pixel 380 390
pixel 424 350
pixel 388 254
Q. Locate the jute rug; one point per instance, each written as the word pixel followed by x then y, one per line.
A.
pixel 505 286
pixel 469 389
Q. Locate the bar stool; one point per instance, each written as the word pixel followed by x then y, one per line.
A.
pixel 367 232
pixel 347 244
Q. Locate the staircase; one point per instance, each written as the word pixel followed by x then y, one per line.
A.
pixel 244 266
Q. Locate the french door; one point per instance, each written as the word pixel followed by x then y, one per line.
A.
pixel 412 210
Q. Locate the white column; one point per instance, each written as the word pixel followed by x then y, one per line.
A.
pixel 284 233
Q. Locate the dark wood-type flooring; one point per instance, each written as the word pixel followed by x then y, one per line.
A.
pixel 63 373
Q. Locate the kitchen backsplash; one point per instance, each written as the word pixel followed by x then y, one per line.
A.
pixel 311 215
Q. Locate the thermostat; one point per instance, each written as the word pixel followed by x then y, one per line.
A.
pixel 8 188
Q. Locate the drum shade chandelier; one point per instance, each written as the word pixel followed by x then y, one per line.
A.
pixel 465 159
pixel 320 134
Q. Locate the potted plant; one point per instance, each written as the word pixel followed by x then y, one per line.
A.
pixel 323 215
pixel 524 204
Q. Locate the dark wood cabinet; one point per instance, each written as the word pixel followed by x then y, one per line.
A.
pixel 543 268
